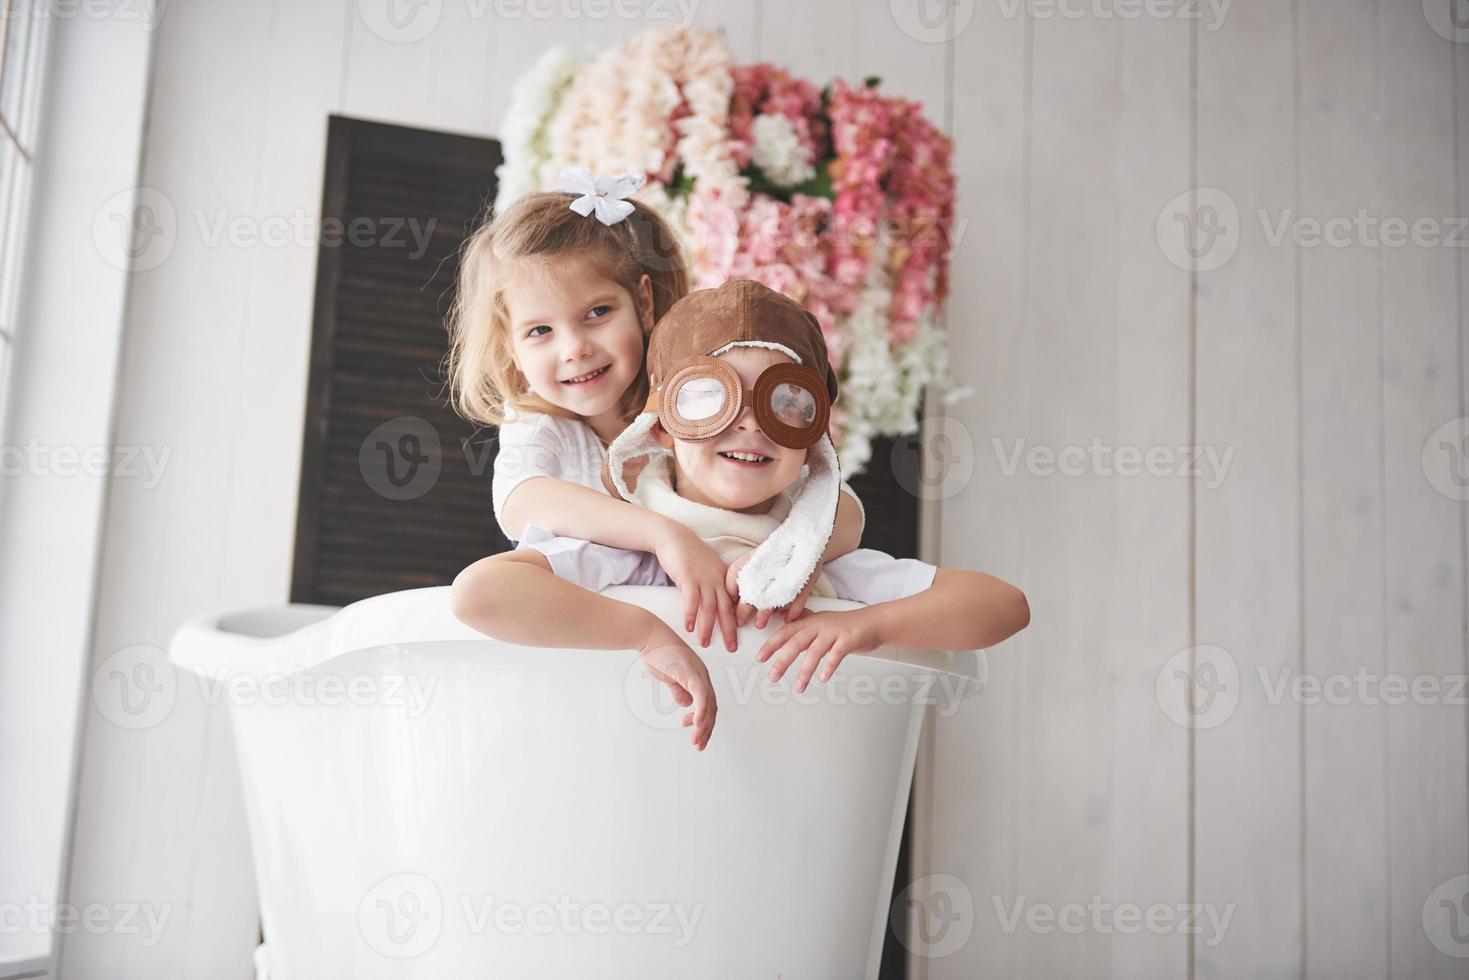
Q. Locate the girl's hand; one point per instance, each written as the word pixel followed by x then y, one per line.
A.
pixel 828 635
pixel 699 574
pixel 792 609
pixel 669 659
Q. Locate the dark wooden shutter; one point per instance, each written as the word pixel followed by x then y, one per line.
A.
pixel 390 505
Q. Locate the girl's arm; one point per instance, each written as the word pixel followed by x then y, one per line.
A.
pixel 515 597
pixel 959 611
pixel 574 511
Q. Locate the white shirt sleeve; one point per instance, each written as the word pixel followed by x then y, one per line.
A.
pixel 535 445
pixel 594 566
pixel 871 576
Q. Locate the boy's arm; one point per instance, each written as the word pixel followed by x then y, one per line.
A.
pixel 960 611
pixel 574 511
pixel 846 533
pixel 515 597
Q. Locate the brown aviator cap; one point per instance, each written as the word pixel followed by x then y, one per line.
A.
pixel 740 311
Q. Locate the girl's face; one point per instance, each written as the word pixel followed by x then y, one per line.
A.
pixel 740 468
pixel 577 336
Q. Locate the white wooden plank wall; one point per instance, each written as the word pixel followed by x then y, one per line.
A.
pixel 1072 787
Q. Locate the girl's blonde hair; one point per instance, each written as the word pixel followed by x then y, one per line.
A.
pixel 482 374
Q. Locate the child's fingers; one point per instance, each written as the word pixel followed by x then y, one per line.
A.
pixel 774 643
pixel 690 607
pixel 706 616
pixel 704 711
pixel 727 622
pixel 762 618
pixel 787 654
pixel 814 654
pixel 797 606
pixel 834 658
pixel 742 613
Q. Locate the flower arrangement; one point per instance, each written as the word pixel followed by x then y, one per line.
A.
pixel 842 197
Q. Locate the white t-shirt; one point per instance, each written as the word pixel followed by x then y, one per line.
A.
pixel 533 444
pixel 864 575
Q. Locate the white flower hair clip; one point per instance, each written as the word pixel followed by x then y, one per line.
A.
pixel 602 195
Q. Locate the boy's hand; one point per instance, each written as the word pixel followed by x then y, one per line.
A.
pixel 829 635
pixel 669 659
pixel 792 610
pixel 699 574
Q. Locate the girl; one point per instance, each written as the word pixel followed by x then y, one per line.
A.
pixel 556 297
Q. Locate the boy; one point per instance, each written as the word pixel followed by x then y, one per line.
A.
pixel 742 391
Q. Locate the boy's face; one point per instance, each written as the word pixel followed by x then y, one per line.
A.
pixel 709 472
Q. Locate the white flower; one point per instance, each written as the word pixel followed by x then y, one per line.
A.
pixel 533 102
pixel 778 152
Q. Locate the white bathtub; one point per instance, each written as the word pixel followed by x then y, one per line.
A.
pixel 457 807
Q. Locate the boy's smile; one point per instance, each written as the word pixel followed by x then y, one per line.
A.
pixel 741 468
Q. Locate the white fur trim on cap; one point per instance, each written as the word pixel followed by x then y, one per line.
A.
pixel 636 440
pixel 768 344
pixel 780 566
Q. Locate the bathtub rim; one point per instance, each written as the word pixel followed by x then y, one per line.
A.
pixel 207 644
